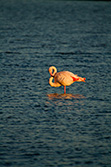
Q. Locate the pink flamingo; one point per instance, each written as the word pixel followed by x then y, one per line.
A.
pixel 63 78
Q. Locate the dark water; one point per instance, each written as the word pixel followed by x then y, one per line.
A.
pixel 39 125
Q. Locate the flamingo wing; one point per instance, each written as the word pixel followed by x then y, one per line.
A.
pixel 64 78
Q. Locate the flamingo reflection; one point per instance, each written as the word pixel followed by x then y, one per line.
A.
pixel 65 96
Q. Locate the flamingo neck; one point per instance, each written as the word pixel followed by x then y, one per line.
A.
pixel 53 84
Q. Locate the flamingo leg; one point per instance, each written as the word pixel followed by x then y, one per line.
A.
pixel 64 89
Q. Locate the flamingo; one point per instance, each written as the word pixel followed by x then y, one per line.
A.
pixel 63 78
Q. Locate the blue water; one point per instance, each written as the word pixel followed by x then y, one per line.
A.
pixel 39 125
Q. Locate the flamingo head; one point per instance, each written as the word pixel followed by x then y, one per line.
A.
pixel 52 71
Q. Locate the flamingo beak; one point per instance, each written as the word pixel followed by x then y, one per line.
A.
pixel 51 75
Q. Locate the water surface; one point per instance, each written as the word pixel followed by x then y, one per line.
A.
pixel 40 126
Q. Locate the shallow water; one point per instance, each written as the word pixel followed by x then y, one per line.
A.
pixel 41 126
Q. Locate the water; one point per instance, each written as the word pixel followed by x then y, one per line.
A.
pixel 40 126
